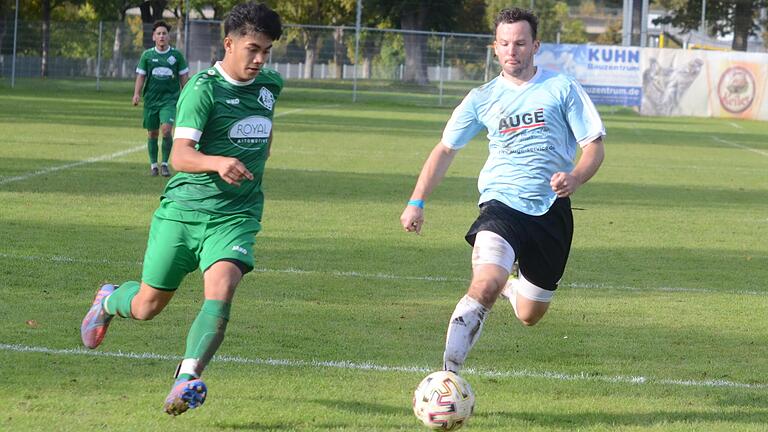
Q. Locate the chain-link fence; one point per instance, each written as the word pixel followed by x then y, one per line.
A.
pixel 101 50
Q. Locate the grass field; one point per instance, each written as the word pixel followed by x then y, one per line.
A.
pixel 659 325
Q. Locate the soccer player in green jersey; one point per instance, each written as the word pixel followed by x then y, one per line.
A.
pixel 161 73
pixel 211 209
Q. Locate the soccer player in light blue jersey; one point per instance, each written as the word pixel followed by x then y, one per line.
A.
pixel 536 120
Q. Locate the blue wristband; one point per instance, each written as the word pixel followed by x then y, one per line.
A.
pixel 416 203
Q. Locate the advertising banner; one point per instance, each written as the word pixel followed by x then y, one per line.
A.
pixel 609 74
pixel 666 82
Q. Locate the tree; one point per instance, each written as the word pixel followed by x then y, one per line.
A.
pixel 318 12
pixel 553 16
pixel 46 9
pixel 151 11
pixel 419 15
pixel 612 34
pixel 723 17
pixel 114 10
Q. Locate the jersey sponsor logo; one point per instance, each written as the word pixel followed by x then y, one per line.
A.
pixel 266 98
pixel 517 122
pixel 251 132
pixel 171 60
pixel 162 73
pixel 240 249
pixel 234 101
pixel 736 89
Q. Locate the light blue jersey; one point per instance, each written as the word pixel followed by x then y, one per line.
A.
pixel 533 130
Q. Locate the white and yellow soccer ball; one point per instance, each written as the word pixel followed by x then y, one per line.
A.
pixel 443 401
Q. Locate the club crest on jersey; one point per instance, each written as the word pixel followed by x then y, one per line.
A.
pixel 518 122
pixel 266 98
pixel 171 60
pixel 251 132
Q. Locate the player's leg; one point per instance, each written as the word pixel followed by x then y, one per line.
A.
pixel 166 261
pixel 529 301
pixel 152 125
pixel 492 259
pixel 167 115
pixel 152 139
pixel 204 338
pixel 226 257
pixel 541 261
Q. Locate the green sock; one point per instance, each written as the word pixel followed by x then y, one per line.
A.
pixel 119 302
pixel 152 148
pixel 167 144
pixel 205 337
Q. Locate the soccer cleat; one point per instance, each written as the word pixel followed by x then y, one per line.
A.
pixel 164 171
pixel 153 171
pixel 185 395
pixel 94 326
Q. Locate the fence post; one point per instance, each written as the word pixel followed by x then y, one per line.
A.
pixel 15 33
pixel 440 69
pixel 487 62
pixel 357 48
pixel 98 57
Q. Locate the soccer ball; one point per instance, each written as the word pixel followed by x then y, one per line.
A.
pixel 443 401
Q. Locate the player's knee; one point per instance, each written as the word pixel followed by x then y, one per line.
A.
pixel 485 291
pixel 529 319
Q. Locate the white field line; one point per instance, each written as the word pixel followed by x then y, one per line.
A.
pixel 741 146
pixel 736 125
pixel 101 158
pixel 73 165
pixel 368 366
pixel 353 274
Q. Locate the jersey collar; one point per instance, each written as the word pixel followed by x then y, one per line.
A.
pixel 162 52
pixel 229 79
pixel 533 79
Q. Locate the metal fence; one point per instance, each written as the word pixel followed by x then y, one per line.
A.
pixel 101 50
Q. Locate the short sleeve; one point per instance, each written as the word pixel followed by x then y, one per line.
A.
pixel 193 109
pixel 183 66
pixel 463 125
pixel 141 68
pixel 583 118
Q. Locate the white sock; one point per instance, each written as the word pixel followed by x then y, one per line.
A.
pixel 463 331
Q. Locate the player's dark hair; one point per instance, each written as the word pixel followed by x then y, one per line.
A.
pixel 161 24
pixel 253 17
pixel 513 15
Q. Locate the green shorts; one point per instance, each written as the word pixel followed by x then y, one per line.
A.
pixel 156 115
pixel 182 240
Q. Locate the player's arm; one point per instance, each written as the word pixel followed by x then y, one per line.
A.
pixel 592 155
pixel 140 78
pixel 183 79
pixel 431 175
pixel 186 158
pixel 269 145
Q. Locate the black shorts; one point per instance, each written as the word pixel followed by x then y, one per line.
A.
pixel 541 243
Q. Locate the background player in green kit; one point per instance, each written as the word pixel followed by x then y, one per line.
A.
pixel 210 210
pixel 161 73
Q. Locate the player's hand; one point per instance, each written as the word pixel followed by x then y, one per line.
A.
pixel 136 99
pixel 564 184
pixel 412 219
pixel 233 171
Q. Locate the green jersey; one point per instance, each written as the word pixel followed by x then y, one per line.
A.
pixel 226 118
pixel 162 70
